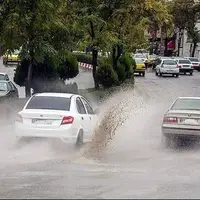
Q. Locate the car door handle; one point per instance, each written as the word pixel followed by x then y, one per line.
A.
pixel 82 118
pixel 90 118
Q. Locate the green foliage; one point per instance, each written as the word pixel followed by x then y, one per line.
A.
pixel 121 72
pixel 127 62
pixel 84 58
pixel 68 66
pixel 107 77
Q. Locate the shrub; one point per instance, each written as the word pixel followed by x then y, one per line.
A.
pixel 68 67
pixel 84 58
pixel 107 77
pixel 128 63
pixel 87 58
pixel 121 73
pixel 47 71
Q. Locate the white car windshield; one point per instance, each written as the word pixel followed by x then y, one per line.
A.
pixel 49 103
pixel 139 61
pixel 139 56
pixel 169 62
pixel 3 87
pixel 186 104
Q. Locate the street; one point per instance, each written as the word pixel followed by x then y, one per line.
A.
pixel 134 164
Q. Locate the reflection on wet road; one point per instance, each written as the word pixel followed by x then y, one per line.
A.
pixel 134 165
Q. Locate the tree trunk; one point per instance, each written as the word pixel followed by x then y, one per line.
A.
pixel 116 50
pixel 94 64
pixel 29 77
pixel 194 49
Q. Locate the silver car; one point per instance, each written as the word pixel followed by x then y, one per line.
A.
pixel 166 67
pixel 181 120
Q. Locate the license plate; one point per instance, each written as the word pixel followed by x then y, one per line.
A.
pixel 42 121
pixel 189 121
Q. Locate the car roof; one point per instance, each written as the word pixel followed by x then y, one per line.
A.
pixel 189 98
pixel 51 94
pixel 3 73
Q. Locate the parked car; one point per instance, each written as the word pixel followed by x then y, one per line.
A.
pixel 8 90
pixel 66 116
pixel 140 67
pixel 181 120
pixel 11 57
pixel 195 63
pixel 185 65
pixel 4 77
pixel 166 67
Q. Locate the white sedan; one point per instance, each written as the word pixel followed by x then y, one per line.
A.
pixel 66 116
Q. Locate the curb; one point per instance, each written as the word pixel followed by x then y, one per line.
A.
pixel 85 66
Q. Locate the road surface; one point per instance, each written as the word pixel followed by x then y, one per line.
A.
pixel 133 165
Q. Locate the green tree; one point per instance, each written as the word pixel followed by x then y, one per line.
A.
pixel 185 16
pixel 31 25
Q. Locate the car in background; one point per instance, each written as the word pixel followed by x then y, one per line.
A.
pixel 65 116
pixel 195 63
pixel 140 66
pixel 156 61
pixel 8 90
pixel 11 57
pixel 167 67
pixel 4 77
pixel 185 65
pixel 182 120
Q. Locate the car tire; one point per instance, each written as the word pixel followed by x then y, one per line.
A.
pixel 177 75
pixel 156 73
pixel 143 74
pixel 160 74
pixel 80 139
pixel 166 140
pixel 191 73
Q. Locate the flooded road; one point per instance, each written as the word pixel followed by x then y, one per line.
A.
pixel 133 165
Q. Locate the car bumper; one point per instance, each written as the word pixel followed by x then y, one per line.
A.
pixel 180 131
pixel 196 67
pixel 170 72
pixel 186 70
pixel 139 70
pixel 62 133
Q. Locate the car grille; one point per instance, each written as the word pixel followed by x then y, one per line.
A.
pixel 186 66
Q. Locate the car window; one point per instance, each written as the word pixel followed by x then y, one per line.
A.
pixel 169 62
pixel 80 106
pixel 2 77
pixel 139 61
pixel 49 103
pixel 88 107
pixel 6 77
pixel 186 104
pixel 3 86
pixel 184 62
pixel 11 86
pixel 158 61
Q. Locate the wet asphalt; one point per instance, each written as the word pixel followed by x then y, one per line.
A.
pixel 134 163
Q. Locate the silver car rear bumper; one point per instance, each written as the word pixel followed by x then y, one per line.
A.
pixel 181 131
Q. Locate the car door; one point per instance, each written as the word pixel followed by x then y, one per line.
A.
pixel 83 116
pixel 159 63
pixel 92 117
